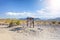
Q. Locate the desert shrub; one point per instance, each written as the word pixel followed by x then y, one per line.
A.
pixel 18 22
pixel 53 22
pixel 10 24
pixel 58 22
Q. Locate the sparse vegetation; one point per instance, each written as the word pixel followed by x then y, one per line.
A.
pixel 58 22
pixel 11 24
pixel 53 22
pixel 18 22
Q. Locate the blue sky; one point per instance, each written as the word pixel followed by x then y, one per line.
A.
pixel 29 8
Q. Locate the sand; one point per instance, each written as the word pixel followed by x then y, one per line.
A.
pixel 44 33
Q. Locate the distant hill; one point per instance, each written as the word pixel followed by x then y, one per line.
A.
pixel 25 19
pixel 37 19
pixel 56 19
pixel 22 18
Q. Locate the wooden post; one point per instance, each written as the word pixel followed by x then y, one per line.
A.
pixel 30 22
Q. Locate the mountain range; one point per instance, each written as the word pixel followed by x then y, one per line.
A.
pixel 55 19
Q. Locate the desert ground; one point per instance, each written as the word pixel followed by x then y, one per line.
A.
pixel 42 30
pixel 36 33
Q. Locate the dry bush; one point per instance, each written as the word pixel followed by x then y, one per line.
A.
pixel 53 22
pixel 18 22
pixel 58 22
pixel 11 24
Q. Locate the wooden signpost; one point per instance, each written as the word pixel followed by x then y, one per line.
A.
pixel 30 22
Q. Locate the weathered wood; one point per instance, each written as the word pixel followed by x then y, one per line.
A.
pixel 30 22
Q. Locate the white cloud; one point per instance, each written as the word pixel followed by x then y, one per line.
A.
pixel 51 9
pixel 12 14
pixel 48 13
pixel 23 14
